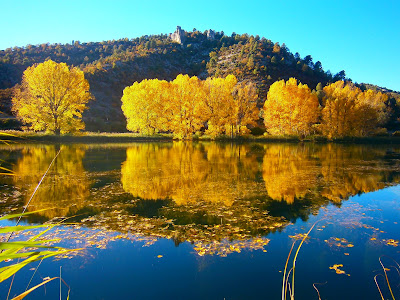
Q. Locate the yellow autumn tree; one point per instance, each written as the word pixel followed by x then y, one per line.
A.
pixel 339 114
pixel 230 107
pixel 143 105
pixel 350 112
pixel 184 111
pixel 372 112
pixel 245 108
pixel 187 105
pixel 219 103
pixel 290 108
pixel 52 97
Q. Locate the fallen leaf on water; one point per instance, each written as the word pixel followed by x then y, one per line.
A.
pixel 299 236
pixel 392 242
pixel 337 267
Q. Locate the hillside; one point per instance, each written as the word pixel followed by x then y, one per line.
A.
pixel 110 66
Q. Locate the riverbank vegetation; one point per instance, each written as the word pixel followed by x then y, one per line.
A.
pixel 222 106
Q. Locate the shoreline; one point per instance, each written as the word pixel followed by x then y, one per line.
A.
pixel 104 137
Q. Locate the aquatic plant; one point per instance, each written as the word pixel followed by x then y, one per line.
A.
pixel 26 252
pixel 286 286
pixel 385 270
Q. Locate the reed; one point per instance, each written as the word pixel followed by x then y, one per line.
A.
pixel 396 267
pixel 26 252
pixel 286 286
pixel 30 251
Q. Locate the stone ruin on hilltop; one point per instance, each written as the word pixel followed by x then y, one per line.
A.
pixel 178 36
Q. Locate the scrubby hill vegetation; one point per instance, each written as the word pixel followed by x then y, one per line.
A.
pixel 110 66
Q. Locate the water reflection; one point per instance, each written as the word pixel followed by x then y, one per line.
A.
pixel 290 171
pixel 334 172
pixel 188 173
pixel 348 171
pixel 222 197
pixel 65 187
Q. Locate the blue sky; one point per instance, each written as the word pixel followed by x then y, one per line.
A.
pixel 361 37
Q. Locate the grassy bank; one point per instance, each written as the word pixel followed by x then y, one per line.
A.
pixel 105 137
pixel 83 138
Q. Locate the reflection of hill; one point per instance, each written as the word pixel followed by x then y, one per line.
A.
pixel 65 187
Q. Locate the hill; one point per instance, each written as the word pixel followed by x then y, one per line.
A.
pixel 110 66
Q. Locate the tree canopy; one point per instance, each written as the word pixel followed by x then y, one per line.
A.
pixel 52 97
pixel 187 105
pixel 290 108
pixel 349 111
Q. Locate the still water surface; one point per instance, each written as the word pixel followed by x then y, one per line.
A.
pixel 210 221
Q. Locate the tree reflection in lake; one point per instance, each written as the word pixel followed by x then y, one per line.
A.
pixel 65 187
pixel 290 171
pixel 348 171
pixel 335 172
pixel 188 173
pixel 212 187
pixel 221 197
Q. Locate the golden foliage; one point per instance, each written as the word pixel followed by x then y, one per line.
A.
pixel 350 112
pixel 219 103
pixel 142 104
pixel 290 108
pixel 339 113
pixel 184 108
pixel 52 97
pixel 186 104
pixel 245 108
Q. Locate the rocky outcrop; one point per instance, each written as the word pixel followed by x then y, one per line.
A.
pixel 210 34
pixel 178 36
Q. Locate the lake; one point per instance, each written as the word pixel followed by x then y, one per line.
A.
pixel 205 220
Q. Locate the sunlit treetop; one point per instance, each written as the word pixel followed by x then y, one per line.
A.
pixel 52 97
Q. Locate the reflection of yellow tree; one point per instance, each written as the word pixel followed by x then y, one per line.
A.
pixel 232 171
pixel 156 171
pixel 335 172
pixel 65 187
pixel 289 171
pixel 188 173
pixel 348 171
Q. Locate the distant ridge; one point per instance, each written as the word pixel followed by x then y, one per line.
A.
pixel 110 66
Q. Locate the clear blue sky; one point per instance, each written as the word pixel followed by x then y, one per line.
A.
pixel 361 37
